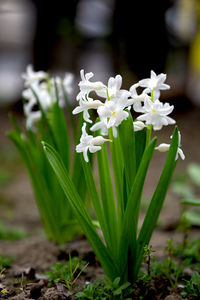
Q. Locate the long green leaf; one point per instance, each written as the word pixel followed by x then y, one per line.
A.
pixel 140 144
pixel 28 157
pixel 107 195
pixel 60 132
pixel 127 140
pixel 95 199
pixel 156 203
pixel 118 171
pixel 84 219
pixel 129 230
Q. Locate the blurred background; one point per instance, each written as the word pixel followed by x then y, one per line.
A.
pixel 106 37
pixel 102 36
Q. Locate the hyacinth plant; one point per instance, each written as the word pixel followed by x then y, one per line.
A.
pixel 124 149
pixel 44 99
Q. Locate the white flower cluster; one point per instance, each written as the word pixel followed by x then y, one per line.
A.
pixel 39 83
pixel 117 102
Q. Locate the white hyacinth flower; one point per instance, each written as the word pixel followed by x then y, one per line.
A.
pixel 138 125
pixel 31 77
pixel 45 100
pixel 67 82
pixel 154 84
pixel 102 126
pixel 136 100
pixel 114 111
pixel 87 86
pixel 113 88
pixel 88 142
pixel 84 106
pixel 165 147
pixel 33 117
pixel 156 113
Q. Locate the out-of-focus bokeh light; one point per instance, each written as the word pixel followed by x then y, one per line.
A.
pixel 17 23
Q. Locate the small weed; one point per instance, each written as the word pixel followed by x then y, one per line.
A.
pixel 192 286
pixel 148 258
pixel 67 273
pixel 186 187
pixel 168 267
pixel 105 290
pixel 7 233
pixel 190 253
pixel 5 262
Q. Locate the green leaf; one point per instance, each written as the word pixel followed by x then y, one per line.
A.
pixel 192 201
pixel 127 140
pixel 157 200
pixel 60 132
pixel 194 173
pixel 192 217
pixel 118 170
pixel 34 161
pixel 83 217
pixel 129 230
pixel 107 196
pixel 182 190
pixel 140 144
pixel 95 199
pixel 69 109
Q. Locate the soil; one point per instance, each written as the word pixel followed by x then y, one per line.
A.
pixel 33 256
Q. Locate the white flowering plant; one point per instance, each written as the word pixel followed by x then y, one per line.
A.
pixel 124 149
pixel 44 98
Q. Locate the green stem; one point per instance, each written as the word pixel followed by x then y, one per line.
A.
pixel 152 95
pixel 148 136
pixel 107 94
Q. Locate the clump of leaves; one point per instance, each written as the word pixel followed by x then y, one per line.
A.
pixel 187 188
pixel 7 233
pixel 105 290
pixel 168 267
pixel 67 273
pixel 192 286
pixel 189 253
pixel 5 262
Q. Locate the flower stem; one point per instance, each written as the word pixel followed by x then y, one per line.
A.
pixel 152 95
pixel 148 137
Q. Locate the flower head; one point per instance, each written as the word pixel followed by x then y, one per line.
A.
pixel 102 126
pixel 84 106
pixel 67 85
pixel 165 147
pixel 113 88
pixel 31 77
pixel 112 112
pixel 88 142
pixel 32 118
pixel 138 125
pixel 86 86
pixel 136 100
pixel 67 82
pixel 156 113
pixel 154 84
